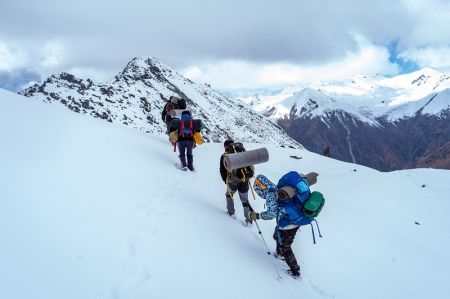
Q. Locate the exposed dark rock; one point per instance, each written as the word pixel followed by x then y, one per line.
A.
pixel 85 104
pixel 295 157
pixel 70 78
pixel 420 141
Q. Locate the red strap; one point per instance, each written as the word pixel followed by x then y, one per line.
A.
pixel 191 125
pixel 175 147
pixel 182 128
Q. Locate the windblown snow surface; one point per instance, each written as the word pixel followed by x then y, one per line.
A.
pixel 95 210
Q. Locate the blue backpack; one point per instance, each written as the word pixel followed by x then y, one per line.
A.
pixel 294 207
pixel 302 209
pixel 295 180
pixel 186 126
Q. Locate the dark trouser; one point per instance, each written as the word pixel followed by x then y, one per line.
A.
pixel 183 147
pixel 168 122
pixel 287 237
pixel 242 187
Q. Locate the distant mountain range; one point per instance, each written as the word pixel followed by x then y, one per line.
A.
pixel 384 123
pixel 137 95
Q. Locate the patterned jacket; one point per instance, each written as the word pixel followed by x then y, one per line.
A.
pixel 274 211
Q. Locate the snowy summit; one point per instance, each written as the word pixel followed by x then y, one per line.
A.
pixel 136 96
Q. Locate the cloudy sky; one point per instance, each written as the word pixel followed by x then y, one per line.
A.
pixel 230 44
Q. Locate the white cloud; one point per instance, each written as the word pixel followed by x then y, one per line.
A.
pixel 52 55
pixel 431 23
pixel 193 72
pixel 438 58
pixel 41 57
pixel 11 58
pixel 264 43
pixel 238 74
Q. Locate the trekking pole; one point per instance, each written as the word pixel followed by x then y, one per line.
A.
pixel 262 237
pixel 268 251
pixel 265 245
pixel 260 233
pixel 318 229
pixel 251 188
pixel 312 230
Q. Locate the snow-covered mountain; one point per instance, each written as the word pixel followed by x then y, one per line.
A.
pixel 366 97
pixel 92 210
pixel 138 94
pixel 385 123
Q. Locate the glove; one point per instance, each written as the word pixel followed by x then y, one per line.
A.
pixel 253 216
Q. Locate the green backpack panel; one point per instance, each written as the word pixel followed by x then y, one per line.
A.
pixel 314 205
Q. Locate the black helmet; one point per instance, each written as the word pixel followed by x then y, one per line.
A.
pixel 227 142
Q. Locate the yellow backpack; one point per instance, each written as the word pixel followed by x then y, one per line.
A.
pixel 198 138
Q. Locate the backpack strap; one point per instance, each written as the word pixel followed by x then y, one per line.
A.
pixel 228 188
pixel 279 239
pixel 242 170
pixel 191 127
pixel 277 228
pixel 182 127
pixel 312 230
pixel 228 172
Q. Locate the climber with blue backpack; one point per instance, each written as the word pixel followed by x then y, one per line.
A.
pixel 185 140
pixel 292 204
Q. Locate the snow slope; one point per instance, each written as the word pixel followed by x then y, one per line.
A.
pixel 434 104
pixel 94 210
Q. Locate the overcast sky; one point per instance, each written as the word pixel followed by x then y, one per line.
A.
pixel 230 44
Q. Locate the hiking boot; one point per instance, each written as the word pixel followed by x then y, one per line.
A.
pixel 232 215
pixel 278 256
pixel 183 161
pixel 190 162
pixel 279 251
pixel 248 222
pixel 294 272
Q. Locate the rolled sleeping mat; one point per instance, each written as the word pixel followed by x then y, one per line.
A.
pixel 311 177
pixel 175 124
pixel 244 159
